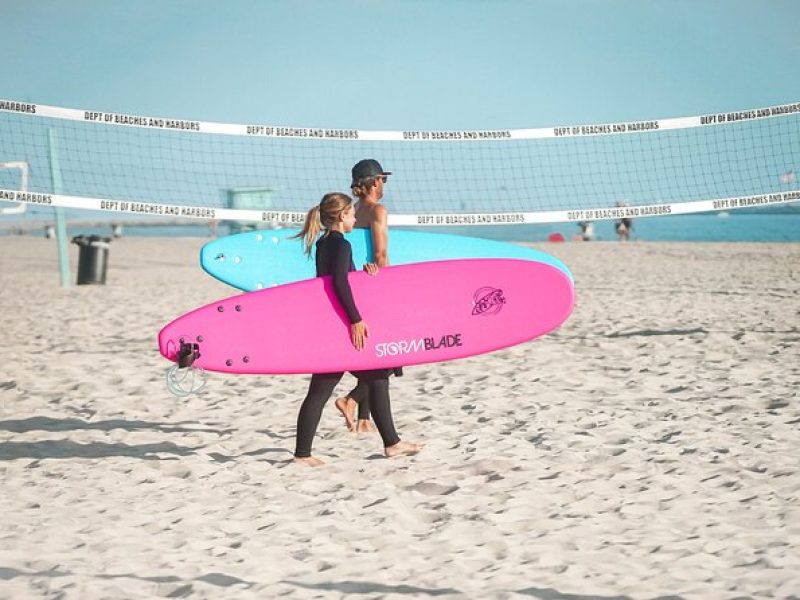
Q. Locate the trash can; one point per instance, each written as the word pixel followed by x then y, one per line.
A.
pixel 92 259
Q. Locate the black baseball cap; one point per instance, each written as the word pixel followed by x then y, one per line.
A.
pixel 364 169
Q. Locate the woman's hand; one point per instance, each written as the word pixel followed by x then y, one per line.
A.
pixel 371 268
pixel 359 332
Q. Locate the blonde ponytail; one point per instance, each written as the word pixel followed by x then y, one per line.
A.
pixel 322 216
pixel 310 230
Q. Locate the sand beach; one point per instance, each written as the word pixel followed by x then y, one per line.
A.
pixel 650 448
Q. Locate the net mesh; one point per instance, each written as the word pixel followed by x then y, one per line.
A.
pixel 565 169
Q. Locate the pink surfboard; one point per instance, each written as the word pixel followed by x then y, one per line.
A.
pixel 418 313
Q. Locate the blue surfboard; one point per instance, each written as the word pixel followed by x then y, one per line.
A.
pixel 266 258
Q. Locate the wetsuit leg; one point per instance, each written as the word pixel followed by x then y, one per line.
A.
pixel 378 385
pixel 319 390
pixel 360 394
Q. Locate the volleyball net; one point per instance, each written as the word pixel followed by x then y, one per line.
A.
pixel 143 165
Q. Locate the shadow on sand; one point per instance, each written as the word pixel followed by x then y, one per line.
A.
pixel 52 424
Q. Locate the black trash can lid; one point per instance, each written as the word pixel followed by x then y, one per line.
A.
pixel 91 240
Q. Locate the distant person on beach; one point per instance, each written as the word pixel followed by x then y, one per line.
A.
pixel 587 231
pixel 367 181
pixel 623 226
pixel 327 223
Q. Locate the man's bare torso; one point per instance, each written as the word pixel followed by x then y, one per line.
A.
pixel 365 215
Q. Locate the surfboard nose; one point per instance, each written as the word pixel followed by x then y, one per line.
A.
pixel 167 346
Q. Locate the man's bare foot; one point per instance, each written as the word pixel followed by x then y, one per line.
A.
pixel 403 449
pixel 365 426
pixel 347 406
pixel 309 461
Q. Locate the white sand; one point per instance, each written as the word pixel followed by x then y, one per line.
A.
pixel 650 447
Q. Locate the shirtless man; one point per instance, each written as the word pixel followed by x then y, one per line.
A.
pixel 368 179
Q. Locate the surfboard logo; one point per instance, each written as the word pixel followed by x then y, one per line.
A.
pixel 449 340
pixel 487 301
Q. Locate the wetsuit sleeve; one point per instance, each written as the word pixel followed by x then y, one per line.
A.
pixel 342 261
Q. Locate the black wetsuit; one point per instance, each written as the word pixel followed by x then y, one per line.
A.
pixel 335 258
pixel 360 394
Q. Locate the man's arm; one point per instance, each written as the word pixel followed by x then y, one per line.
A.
pixel 380 235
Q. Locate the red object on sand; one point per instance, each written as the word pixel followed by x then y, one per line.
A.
pixel 555 237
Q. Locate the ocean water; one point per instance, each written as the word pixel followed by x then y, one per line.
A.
pixel 712 227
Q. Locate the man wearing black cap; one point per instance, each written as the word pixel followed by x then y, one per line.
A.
pixel 368 179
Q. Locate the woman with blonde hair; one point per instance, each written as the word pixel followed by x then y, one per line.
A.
pixel 325 226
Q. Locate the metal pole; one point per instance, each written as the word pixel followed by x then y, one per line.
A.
pixel 61 226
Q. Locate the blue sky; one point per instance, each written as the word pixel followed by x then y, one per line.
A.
pixel 403 64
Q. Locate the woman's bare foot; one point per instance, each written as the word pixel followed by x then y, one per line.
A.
pixel 364 426
pixel 403 449
pixel 347 406
pixel 309 461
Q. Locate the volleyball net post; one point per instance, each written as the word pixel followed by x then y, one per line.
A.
pixel 60 218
